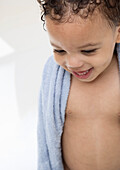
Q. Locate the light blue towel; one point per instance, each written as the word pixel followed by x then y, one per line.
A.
pixel 52 104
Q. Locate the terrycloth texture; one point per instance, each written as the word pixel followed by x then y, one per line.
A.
pixel 53 99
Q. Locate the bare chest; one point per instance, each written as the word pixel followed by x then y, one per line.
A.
pixel 94 103
pixel 91 136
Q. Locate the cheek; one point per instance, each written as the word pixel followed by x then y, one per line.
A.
pixel 59 59
pixel 104 62
pixel 99 60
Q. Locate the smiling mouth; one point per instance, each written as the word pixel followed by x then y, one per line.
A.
pixel 83 74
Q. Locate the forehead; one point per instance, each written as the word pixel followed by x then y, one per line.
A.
pixel 79 31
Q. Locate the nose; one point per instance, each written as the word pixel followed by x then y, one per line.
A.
pixel 74 62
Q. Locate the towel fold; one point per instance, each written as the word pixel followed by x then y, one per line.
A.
pixel 54 92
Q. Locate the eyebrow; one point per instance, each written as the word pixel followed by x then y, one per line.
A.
pixel 83 46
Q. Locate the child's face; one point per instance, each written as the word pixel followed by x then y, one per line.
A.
pixel 68 40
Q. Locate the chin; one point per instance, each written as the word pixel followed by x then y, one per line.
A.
pixel 90 80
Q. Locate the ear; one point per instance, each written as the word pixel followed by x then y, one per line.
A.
pixel 118 35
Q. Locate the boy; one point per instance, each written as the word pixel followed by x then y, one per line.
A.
pixel 79 123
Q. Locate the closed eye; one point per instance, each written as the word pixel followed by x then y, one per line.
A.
pixel 89 51
pixel 84 51
pixel 59 51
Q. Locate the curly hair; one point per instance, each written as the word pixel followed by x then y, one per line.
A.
pixel 58 9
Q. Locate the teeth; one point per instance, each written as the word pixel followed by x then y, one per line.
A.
pixel 80 74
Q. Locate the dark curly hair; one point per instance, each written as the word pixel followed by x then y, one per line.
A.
pixel 57 10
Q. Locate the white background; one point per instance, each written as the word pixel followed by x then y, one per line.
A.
pixel 20 76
